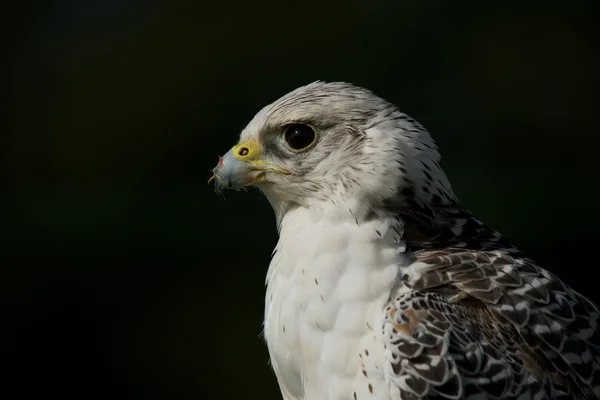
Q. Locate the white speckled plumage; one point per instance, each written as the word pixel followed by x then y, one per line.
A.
pixel 382 285
pixel 324 300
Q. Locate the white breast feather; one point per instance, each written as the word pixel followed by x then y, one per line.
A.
pixel 327 285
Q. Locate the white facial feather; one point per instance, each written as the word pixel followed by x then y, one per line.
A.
pixel 367 152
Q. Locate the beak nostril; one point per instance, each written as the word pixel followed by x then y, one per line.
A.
pixel 243 152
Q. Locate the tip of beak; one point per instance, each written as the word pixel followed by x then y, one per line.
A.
pixel 214 177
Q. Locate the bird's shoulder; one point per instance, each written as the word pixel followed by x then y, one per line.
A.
pixel 490 320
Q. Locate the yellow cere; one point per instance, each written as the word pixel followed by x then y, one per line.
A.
pixel 248 150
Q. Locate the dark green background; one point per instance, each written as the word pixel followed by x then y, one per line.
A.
pixel 126 276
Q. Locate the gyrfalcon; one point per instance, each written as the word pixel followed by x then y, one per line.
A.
pixel 382 285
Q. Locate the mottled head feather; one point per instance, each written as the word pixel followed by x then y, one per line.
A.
pixel 367 151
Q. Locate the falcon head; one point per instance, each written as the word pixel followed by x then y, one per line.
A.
pixel 334 142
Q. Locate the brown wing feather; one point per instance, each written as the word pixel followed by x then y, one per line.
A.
pixel 486 322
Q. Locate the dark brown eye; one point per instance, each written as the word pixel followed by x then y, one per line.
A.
pixel 299 136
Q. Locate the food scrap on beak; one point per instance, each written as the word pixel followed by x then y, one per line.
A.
pixel 219 165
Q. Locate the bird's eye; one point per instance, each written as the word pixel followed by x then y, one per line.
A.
pixel 299 136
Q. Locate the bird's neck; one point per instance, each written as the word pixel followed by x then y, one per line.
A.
pixel 340 226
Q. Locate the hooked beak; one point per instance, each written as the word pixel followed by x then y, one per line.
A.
pixel 242 166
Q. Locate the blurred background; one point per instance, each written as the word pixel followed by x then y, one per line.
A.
pixel 125 275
